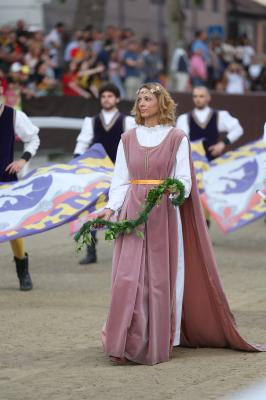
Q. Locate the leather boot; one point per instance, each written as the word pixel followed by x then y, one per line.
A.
pixel 91 256
pixel 22 267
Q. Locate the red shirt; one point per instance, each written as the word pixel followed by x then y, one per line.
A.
pixel 68 78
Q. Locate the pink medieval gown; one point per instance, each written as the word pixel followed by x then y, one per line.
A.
pixel 143 314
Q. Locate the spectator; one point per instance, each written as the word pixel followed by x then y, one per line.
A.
pixel 152 63
pixel 75 46
pixel 214 65
pixel 114 73
pixel 56 35
pixel 180 68
pixel 115 55
pixel 198 69
pixel 247 54
pixel 43 80
pixel 70 86
pixel 235 79
pixel 55 42
pixel 133 68
pixel 200 45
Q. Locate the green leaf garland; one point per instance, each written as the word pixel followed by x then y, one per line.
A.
pixel 114 229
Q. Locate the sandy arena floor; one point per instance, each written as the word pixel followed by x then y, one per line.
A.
pixel 50 345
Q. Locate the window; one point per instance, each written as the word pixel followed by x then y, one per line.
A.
pixel 200 4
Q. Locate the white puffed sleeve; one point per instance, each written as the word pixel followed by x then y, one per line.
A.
pixel 27 132
pixel 229 124
pixel 120 182
pixel 130 123
pixel 85 137
pixel 182 123
pixel 182 169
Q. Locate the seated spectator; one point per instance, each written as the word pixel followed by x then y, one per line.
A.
pixel 33 55
pixel 70 86
pixel 3 82
pixel 88 77
pixel 43 82
pixel 13 94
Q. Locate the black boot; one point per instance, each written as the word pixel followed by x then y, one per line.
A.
pixel 23 272
pixel 91 256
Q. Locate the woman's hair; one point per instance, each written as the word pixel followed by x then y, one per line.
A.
pixel 167 106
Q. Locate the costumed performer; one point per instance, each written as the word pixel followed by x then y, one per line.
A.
pixel 165 288
pixel 216 128
pixel 16 123
pixel 105 128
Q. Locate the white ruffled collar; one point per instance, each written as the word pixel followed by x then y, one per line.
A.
pixel 153 129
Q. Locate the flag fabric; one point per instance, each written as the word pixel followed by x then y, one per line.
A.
pixel 56 194
pixel 200 162
pixel 53 195
pixel 230 187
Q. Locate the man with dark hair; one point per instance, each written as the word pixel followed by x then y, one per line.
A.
pixel 105 128
pixel 200 45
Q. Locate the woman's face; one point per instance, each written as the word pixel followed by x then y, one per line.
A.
pixel 147 103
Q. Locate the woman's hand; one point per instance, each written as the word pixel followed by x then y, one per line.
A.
pixel 217 149
pixel 105 214
pixel 172 192
pixel 16 166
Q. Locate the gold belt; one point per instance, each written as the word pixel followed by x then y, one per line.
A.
pixel 146 181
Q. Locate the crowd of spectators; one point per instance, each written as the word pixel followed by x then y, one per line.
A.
pixel 36 64
pixel 231 66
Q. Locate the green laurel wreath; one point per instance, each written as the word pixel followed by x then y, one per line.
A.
pixel 114 229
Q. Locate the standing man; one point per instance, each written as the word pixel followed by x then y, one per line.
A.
pixel 16 123
pixel 105 128
pixel 209 124
pixel 133 63
pixel 152 63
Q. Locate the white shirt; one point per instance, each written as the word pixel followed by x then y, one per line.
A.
pixel 178 52
pixel 53 37
pixel 235 83
pixel 225 123
pixel 85 137
pixel 27 132
pixel 148 137
pixel 247 54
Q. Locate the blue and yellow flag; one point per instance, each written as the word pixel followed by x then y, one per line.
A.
pixel 56 194
pixel 230 186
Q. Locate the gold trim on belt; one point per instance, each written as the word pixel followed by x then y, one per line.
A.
pixel 146 181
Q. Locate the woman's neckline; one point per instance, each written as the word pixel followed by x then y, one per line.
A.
pixel 154 127
pixel 154 147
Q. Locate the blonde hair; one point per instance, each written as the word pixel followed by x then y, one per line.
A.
pixel 167 106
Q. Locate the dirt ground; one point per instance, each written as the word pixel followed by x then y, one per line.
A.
pixel 50 338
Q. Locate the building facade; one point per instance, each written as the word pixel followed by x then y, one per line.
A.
pixel 149 18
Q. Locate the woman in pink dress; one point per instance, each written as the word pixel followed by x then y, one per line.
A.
pixel 165 288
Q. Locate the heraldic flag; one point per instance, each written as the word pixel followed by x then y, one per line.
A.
pixel 56 194
pixel 228 184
